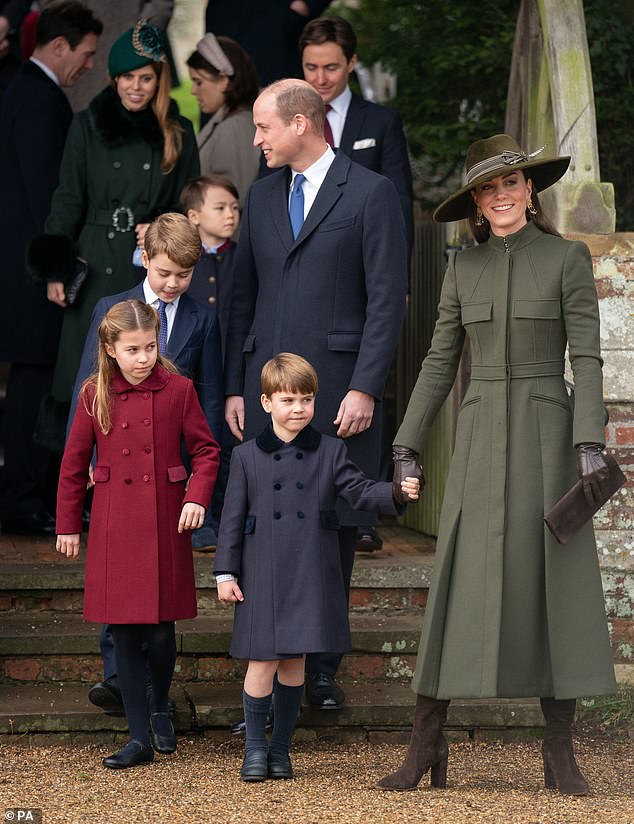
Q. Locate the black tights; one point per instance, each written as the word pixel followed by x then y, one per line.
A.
pixel 161 657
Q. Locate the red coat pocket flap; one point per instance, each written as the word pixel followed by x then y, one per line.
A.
pixel 176 473
pixel 101 474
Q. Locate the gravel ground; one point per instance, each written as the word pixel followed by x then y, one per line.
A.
pixel 334 783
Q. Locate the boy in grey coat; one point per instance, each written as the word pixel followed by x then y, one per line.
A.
pixel 278 555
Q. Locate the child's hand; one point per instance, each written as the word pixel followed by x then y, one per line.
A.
pixel 229 592
pixel 68 545
pixel 192 516
pixel 411 488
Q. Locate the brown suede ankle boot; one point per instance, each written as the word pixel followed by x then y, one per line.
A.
pixel 427 748
pixel 560 768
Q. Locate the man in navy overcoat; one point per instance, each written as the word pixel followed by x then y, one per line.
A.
pixel 34 121
pixel 334 294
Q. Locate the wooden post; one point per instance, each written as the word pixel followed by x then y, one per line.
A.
pixel 551 103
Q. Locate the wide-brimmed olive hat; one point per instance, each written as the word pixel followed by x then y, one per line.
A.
pixel 494 156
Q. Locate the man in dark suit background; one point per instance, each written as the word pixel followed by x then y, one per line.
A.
pixel 34 120
pixel 332 290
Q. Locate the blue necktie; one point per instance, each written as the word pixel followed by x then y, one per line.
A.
pixel 296 206
pixel 162 337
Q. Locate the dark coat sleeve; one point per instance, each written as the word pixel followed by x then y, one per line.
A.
pixel 230 538
pixel 357 489
pixel 209 381
pixel 395 165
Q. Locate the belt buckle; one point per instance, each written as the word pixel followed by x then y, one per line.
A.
pixel 117 216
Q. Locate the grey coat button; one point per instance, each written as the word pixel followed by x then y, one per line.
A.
pixel 146 166
pixel 110 235
pixel 108 270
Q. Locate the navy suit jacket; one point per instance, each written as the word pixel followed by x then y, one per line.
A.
pixel 193 345
pixel 335 295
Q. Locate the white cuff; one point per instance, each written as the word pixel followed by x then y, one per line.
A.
pixel 226 576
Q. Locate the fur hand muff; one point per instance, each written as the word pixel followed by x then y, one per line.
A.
pixel 50 258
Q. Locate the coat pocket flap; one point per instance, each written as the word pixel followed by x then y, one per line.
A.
pixel 249 525
pixel 176 473
pixel 101 474
pixel 344 341
pixel 332 225
pixel 474 312
pixel 329 519
pixel 249 343
pixel 548 309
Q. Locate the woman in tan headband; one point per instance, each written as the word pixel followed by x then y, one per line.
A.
pixel 511 613
pixel 225 84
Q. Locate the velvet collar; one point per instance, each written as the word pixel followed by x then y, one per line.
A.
pixel 308 439
pixel 115 125
pixel 157 379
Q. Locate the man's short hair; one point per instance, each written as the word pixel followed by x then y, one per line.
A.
pixel 194 193
pixel 68 19
pixel 287 372
pixel 329 30
pixel 298 97
pixel 173 235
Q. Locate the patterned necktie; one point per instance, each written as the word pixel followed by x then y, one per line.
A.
pixel 296 206
pixel 162 336
pixel 330 140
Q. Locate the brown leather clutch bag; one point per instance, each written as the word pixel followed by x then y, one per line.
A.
pixel 572 510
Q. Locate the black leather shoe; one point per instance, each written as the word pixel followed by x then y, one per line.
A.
pixel 240 727
pixel 131 755
pixel 107 696
pixel 279 765
pixel 368 539
pixel 322 692
pixel 254 767
pixel 162 733
pixel 35 523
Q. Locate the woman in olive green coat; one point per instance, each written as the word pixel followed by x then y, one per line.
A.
pixel 126 160
pixel 511 613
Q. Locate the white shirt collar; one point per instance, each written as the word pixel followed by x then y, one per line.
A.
pixel 316 173
pixel 152 298
pixel 48 72
pixel 341 103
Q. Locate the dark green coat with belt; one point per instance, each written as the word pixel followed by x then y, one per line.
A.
pixel 112 164
pixel 511 612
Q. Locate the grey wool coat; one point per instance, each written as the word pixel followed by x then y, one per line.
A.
pixel 512 613
pixel 278 536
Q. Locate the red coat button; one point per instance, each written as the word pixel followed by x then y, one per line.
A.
pixel 127 481
pixel 125 451
pixel 146 396
pixel 147 422
pixel 146 478
pixel 124 397
pixel 147 449
pixel 125 425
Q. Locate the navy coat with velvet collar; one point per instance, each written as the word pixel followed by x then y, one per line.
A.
pixel 278 535
pixel 139 568
pixel 193 346
pixel 335 295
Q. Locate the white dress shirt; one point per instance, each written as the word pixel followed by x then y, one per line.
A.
pixel 153 300
pixel 337 115
pixel 314 175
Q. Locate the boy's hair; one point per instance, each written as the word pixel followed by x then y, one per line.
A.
pixel 68 19
pixel 194 193
pixel 126 316
pixel 287 372
pixel 332 29
pixel 172 234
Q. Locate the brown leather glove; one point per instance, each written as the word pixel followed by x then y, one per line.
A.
pixel 406 465
pixel 593 471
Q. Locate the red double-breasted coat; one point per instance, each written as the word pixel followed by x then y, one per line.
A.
pixel 139 569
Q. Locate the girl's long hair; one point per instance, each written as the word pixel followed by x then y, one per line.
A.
pixel 481 233
pixel 127 316
pixel 170 127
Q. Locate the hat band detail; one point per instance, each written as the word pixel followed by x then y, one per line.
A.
pixel 490 164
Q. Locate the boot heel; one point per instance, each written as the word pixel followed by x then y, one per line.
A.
pixel 549 775
pixel 439 774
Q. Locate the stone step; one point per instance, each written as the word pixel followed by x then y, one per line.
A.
pixel 36 647
pixel 380 581
pixel 210 708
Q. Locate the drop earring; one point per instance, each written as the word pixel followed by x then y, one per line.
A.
pixel 479 218
pixel 530 207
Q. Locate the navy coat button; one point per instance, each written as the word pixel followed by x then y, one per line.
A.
pixel 125 425
pixel 277 515
pixel 300 485
pixel 128 481
pixel 299 456
pixel 277 457
pixel 125 451
pixel 277 486
pixel 300 515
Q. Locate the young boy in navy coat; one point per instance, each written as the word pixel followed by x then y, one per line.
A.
pixel 278 555
pixel 172 248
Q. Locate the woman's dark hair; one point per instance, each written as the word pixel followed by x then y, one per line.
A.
pixel 68 19
pixel 481 233
pixel 244 86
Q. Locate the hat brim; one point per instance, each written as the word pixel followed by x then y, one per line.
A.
pixel 543 173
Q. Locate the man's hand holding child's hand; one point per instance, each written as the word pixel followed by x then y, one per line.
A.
pixel 229 592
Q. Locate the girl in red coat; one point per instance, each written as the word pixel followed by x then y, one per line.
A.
pixel 136 412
